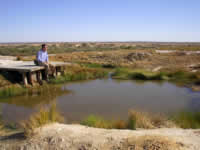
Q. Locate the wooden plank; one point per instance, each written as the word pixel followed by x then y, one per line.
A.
pixel 28 69
pixel 27 66
pixel 21 67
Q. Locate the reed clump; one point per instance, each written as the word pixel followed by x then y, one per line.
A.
pixel 41 118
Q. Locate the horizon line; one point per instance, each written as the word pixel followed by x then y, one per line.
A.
pixel 29 42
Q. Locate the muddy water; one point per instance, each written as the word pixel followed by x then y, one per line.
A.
pixel 108 98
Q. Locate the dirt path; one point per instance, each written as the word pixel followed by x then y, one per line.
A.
pixel 77 137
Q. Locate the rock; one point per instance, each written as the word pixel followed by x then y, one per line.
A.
pixel 157 68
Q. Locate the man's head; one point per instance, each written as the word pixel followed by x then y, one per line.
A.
pixel 44 47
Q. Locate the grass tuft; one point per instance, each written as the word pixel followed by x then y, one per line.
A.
pixel 141 119
pixel 43 117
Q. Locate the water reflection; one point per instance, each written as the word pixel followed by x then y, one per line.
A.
pixel 21 107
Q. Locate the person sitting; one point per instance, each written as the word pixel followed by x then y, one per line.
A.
pixel 43 60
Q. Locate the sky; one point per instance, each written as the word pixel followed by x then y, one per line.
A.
pixel 99 20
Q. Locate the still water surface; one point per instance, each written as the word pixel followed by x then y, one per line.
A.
pixel 108 98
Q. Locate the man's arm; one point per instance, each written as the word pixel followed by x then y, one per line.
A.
pixel 47 58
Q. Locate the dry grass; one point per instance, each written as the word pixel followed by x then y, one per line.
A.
pixel 120 124
pixel 43 117
pixel 152 143
pixel 148 120
pixel 1 129
pixel 142 119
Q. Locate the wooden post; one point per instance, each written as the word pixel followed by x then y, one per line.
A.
pixel 62 70
pixel 30 78
pixel 24 78
pixel 39 76
pixel 58 70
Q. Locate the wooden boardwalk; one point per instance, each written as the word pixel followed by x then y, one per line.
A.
pixel 29 72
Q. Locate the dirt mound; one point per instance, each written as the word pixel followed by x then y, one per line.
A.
pixel 77 137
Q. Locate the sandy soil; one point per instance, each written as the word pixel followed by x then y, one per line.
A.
pixel 78 137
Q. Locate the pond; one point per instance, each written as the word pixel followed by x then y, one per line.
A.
pixel 111 99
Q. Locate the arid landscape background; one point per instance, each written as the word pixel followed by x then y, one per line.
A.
pixel 176 64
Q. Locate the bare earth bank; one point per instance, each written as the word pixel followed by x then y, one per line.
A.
pixel 78 137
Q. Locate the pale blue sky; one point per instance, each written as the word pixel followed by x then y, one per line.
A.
pixel 99 20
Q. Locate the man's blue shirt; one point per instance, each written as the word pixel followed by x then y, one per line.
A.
pixel 42 56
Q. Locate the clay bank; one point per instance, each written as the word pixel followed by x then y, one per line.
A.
pixel 77 137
